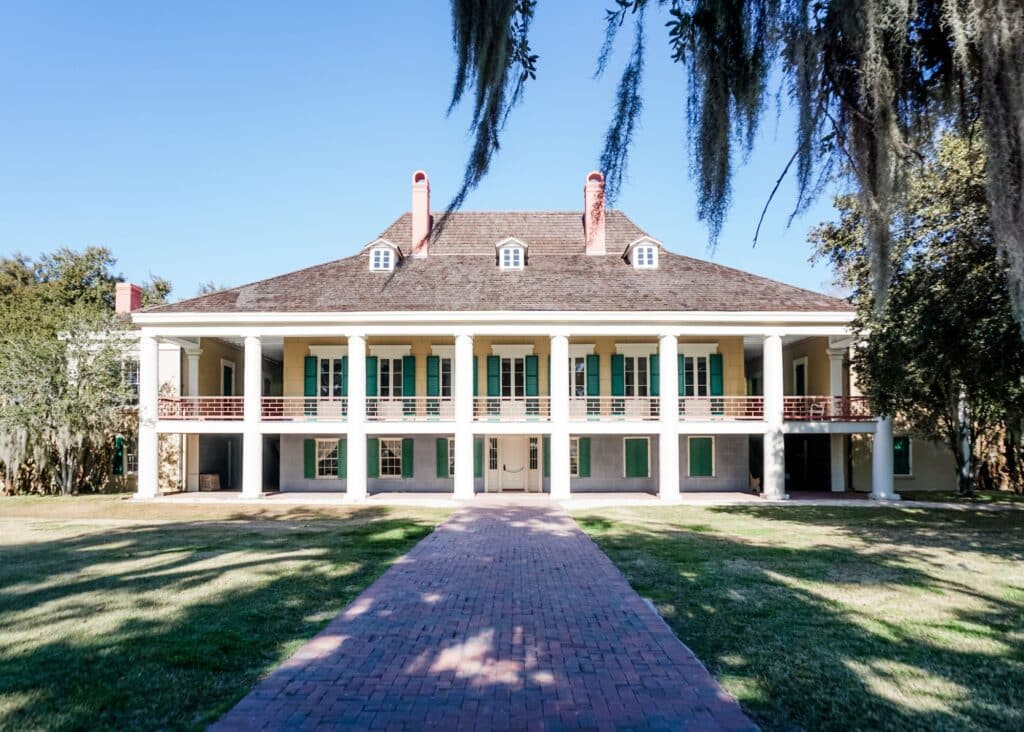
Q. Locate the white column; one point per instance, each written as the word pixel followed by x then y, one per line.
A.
pixel 668 439
pixel 192 441
pixel 773 480
pixel 881 462
pixel 837 445
pixel 559 378
pixel 149 388
pixel 463 479
pixel 252 438
pixel 355 483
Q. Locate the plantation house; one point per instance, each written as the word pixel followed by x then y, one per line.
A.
pixel 562 352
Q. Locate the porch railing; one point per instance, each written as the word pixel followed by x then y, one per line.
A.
pixel 409 409
pixel 721 407
pixel 304 409
pixel 201 408
pixel 826 409
pixel 613 409
pixel 512 409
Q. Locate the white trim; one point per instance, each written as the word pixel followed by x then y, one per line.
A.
pixel 577 350
pixel 234 376
pixel 512 350
pixel 576 441
pixel 910 458
pixel 511 241
pixel 380 241
pixel 689 456
pixel 388 259
pixel 636 349
pixel 797 362
pixel 390 351
pixel 516 254
pixel 444 352
pixel 316 458
pixel 697 349
pixel 328 351
pixel 647 439
pixel 380 456
pixel 642 240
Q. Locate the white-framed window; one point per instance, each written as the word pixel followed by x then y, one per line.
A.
pixel 330 377
pixel 446 377
pixel 382 259
pixel 577 376
pixel 574 457
pixel 389 377
pixel 492 453
pixel 513 377
pixel 451 456
pixel 131 458
pixel 534 453
pixel 645 256
pixel 390 457
pixel 511 257
pixel 326 459
pixel 637 375
pixel 696 376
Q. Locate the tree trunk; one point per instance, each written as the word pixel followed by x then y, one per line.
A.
pixel 964 449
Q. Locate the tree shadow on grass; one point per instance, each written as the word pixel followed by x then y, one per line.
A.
pixel 167 625
pixel 831 636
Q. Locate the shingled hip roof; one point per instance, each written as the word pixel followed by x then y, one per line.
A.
pixel 461 274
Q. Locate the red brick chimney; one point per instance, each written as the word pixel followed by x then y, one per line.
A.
pixel 420 214
pixel 593 212
pixel 127 298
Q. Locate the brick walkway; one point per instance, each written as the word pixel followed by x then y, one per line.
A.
pixel 503 618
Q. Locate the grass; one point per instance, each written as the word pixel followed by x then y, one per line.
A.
pixel 839 617
pixel 124 615
pixel 979 498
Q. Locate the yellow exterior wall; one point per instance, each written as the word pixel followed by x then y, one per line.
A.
pixel 818 375
pixel 209 367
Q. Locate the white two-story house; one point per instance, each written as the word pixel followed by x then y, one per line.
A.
pixel 560 352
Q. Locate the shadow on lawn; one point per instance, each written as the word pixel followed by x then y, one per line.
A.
pixel 798 657
pixel 166 625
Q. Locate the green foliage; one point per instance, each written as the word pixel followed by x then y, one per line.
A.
pixel 63 397
pixel 943 351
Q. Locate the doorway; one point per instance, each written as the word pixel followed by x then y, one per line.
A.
pixel 513 464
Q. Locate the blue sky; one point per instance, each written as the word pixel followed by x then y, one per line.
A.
pixel 233 141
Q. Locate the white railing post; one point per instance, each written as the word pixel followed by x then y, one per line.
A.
pixel 463 480
pixel 668 437
pixel 882 488
pixel 252 438
pixel 559 378
pixel 773 471
pixel 149 389
pixel 356 457
pixel 837 444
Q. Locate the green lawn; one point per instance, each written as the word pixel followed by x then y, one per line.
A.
pixel 839 617
pixel 124 615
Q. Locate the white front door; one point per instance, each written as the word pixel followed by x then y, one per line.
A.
pixel 512 462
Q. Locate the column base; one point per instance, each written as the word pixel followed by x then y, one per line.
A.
pixel 775 497
pixel 893 498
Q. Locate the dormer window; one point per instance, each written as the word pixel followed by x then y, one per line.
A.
pixel 511 253
pixel 382 259
pixel 512 258
pixel 645 256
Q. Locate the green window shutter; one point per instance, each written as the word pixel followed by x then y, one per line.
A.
pixel 532 376
pixel 682 374
pixel 702 457
pixel 493 376
pixel 372 457
pixel 636 458
pixel 407 457
pixel 344 376
pixel 654 383
pixel 408 376
pixel 118 466
pixel 618 374
pixel 309 459
pixel 441 453
pixel 901 455
pixel 583 456
pixel 546 442
pixel 593 375
pixel 476 376
pixel 478 457
pixel 312 363
pixel 434 377
pixel 343 458
pixel 371 376
pixel 715 374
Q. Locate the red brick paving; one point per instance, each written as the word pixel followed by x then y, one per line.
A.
pixel 503 618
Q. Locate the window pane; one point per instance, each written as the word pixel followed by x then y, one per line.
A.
pixel 391 458
pixel 506 377
pixel 533 453
pixel 702 376
pixel 574 457
pixel 492 453
pixel 688 375
pixel 384 383
pixel 451 456
pixel 520 374
pixel 446 377
pixel 641 372
pixel 630 378
pixel 396 377
pixel 336 390
pixel 326 459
